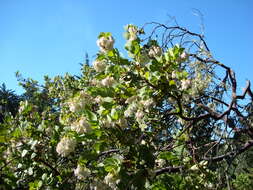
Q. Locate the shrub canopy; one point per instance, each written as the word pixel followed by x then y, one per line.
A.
pixel 167 117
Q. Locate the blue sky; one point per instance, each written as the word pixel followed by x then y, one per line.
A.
pixel 50 37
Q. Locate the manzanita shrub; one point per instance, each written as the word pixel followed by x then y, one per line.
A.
pixel 166 117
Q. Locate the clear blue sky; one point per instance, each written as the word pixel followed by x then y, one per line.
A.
pixel 39 37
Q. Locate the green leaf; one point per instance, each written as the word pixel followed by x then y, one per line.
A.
pixel 184 74
pixel 111 164
pixel 109 168
pixel 103 111
pixel 30 171
pixel 96 146
pixel 44 176
pixel 101 91
pixel 108 99
pixel 2 139
pixel 168 156
pixel 91 116
pixel 40 184
pixel 111 53
pixel 24 152
pixel 104 34
pixel 172 83
pixel 17 133
pixel 147 75
pixel 167 56
pixel 115 114
pixel 35 185
pixel 33 155
pixel 97 132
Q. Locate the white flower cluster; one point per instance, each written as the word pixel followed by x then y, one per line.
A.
pixel 82 126
pixel 105 43
pixel 183 57
pixel 160 162
pixel 201 164
pixel 185 84
pixel 132 32
pixel 108 81
pixel 111 180
pixel 132 29
pixel 94 82
pixel 23 105
pixel 81 172
pixel 130 35
pixel 147 103
pixel 155 51
pixel 16 145
pixel 74 106
pixel 130 110
pixel 98 99
pixel 98 185
pixel 107 124
pixel 99 66
pixel 77 103
pixel 139 115
pixel 131 99
pixel 66 146
pixel 134 104
pixel 174 74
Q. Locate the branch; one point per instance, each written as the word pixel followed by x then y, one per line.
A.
pixel 235 153
pixel 172 28
pixel 169 169
pixel 245 91
pixel 6 164
pixel 108 152
pixel 48 165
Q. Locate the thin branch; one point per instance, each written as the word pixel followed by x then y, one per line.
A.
pixel 109 152
pixel 169 169
pixel 245 147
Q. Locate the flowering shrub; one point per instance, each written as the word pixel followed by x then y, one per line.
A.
pixel 158 120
